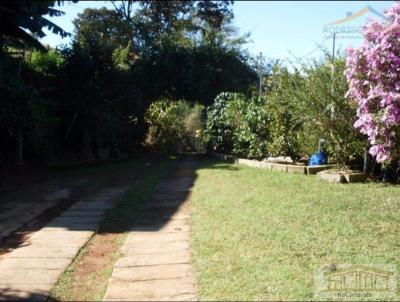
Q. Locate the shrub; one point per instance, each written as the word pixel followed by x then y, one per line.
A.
pixel 238 125
pixel 309 104
pixel 297 110
pixel 218 130
pixel 174 125
pixel 327 113
pixel 373 74
pixel 285 116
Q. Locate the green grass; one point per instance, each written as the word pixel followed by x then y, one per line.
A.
pixel 118 220
pixel 260 235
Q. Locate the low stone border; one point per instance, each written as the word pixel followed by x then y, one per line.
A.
pixel 350 177
pixel 288 168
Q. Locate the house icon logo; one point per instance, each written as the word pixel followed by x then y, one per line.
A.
pixel 358 278
pixel 352 22
pixel 356 282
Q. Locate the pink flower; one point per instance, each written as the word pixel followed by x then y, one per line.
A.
pixel 372 71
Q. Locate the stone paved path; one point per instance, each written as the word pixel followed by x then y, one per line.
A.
pixel 30 271
pixel 19 209
pixel 156 256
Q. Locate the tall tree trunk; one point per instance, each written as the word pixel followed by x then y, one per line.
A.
pixel 20 146
pixel 20 132
pixel 87 148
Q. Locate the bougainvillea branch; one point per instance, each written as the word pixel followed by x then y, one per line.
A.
pixel 373 73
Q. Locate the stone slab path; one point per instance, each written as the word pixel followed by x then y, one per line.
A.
pixel 20 207
pixel 30 271
pixel 156 256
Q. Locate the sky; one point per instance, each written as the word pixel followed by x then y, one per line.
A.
pixel 279 29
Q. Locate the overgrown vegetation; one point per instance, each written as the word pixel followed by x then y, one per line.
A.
pixel 89 99
pixel 174 126
pixel 238 125
pixel 297 109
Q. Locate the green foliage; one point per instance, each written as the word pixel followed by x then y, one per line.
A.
pixel 284 114
pixel 218 130
pixel 47 63
pixel 20 15
pixel 155 24
pixel 250 122
pixel 122 58
pixel 297 110
pixel 313 96
pixel 193 74
pixel 89 99
pixel 102 27
pixel 238 125
pixel 173 125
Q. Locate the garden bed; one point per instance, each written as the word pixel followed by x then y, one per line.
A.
pixel 273 166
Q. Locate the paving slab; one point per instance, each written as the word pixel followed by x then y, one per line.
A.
pixel 33 251
pixel 60 233
pixel 154 272
pixel 155 248
pixel 83 213
pixel 67 220
pixel 150 289
pixel 140 237
pixel 30 271
pixel 33 263
pixel 156 256
pixel 67 241
pixel 180 257
pixel 31 276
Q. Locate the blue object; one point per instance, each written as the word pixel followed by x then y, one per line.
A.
pixel 318 158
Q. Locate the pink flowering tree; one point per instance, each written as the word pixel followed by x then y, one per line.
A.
pixel 373 73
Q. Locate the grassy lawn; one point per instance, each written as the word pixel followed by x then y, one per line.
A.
pixel 260 235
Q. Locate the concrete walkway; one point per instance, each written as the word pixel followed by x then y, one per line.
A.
pixel 156 256
pixel 30 271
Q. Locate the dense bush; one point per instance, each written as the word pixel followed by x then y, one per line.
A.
pixel 297 110
pixel 326 113
pixel 285 116
pixel 174 126
pixel 218 130
pixel 238 125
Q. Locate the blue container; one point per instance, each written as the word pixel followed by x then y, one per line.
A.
pixel 318 158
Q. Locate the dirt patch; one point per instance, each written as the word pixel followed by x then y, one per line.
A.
pixel 91 267
pixel 97 254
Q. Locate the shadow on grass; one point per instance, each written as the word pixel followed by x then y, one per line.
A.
pixel 227 167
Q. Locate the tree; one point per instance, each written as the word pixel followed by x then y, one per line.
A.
pixel 21 24
pixel 16 16
pixel 156 22
pixel 102 28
